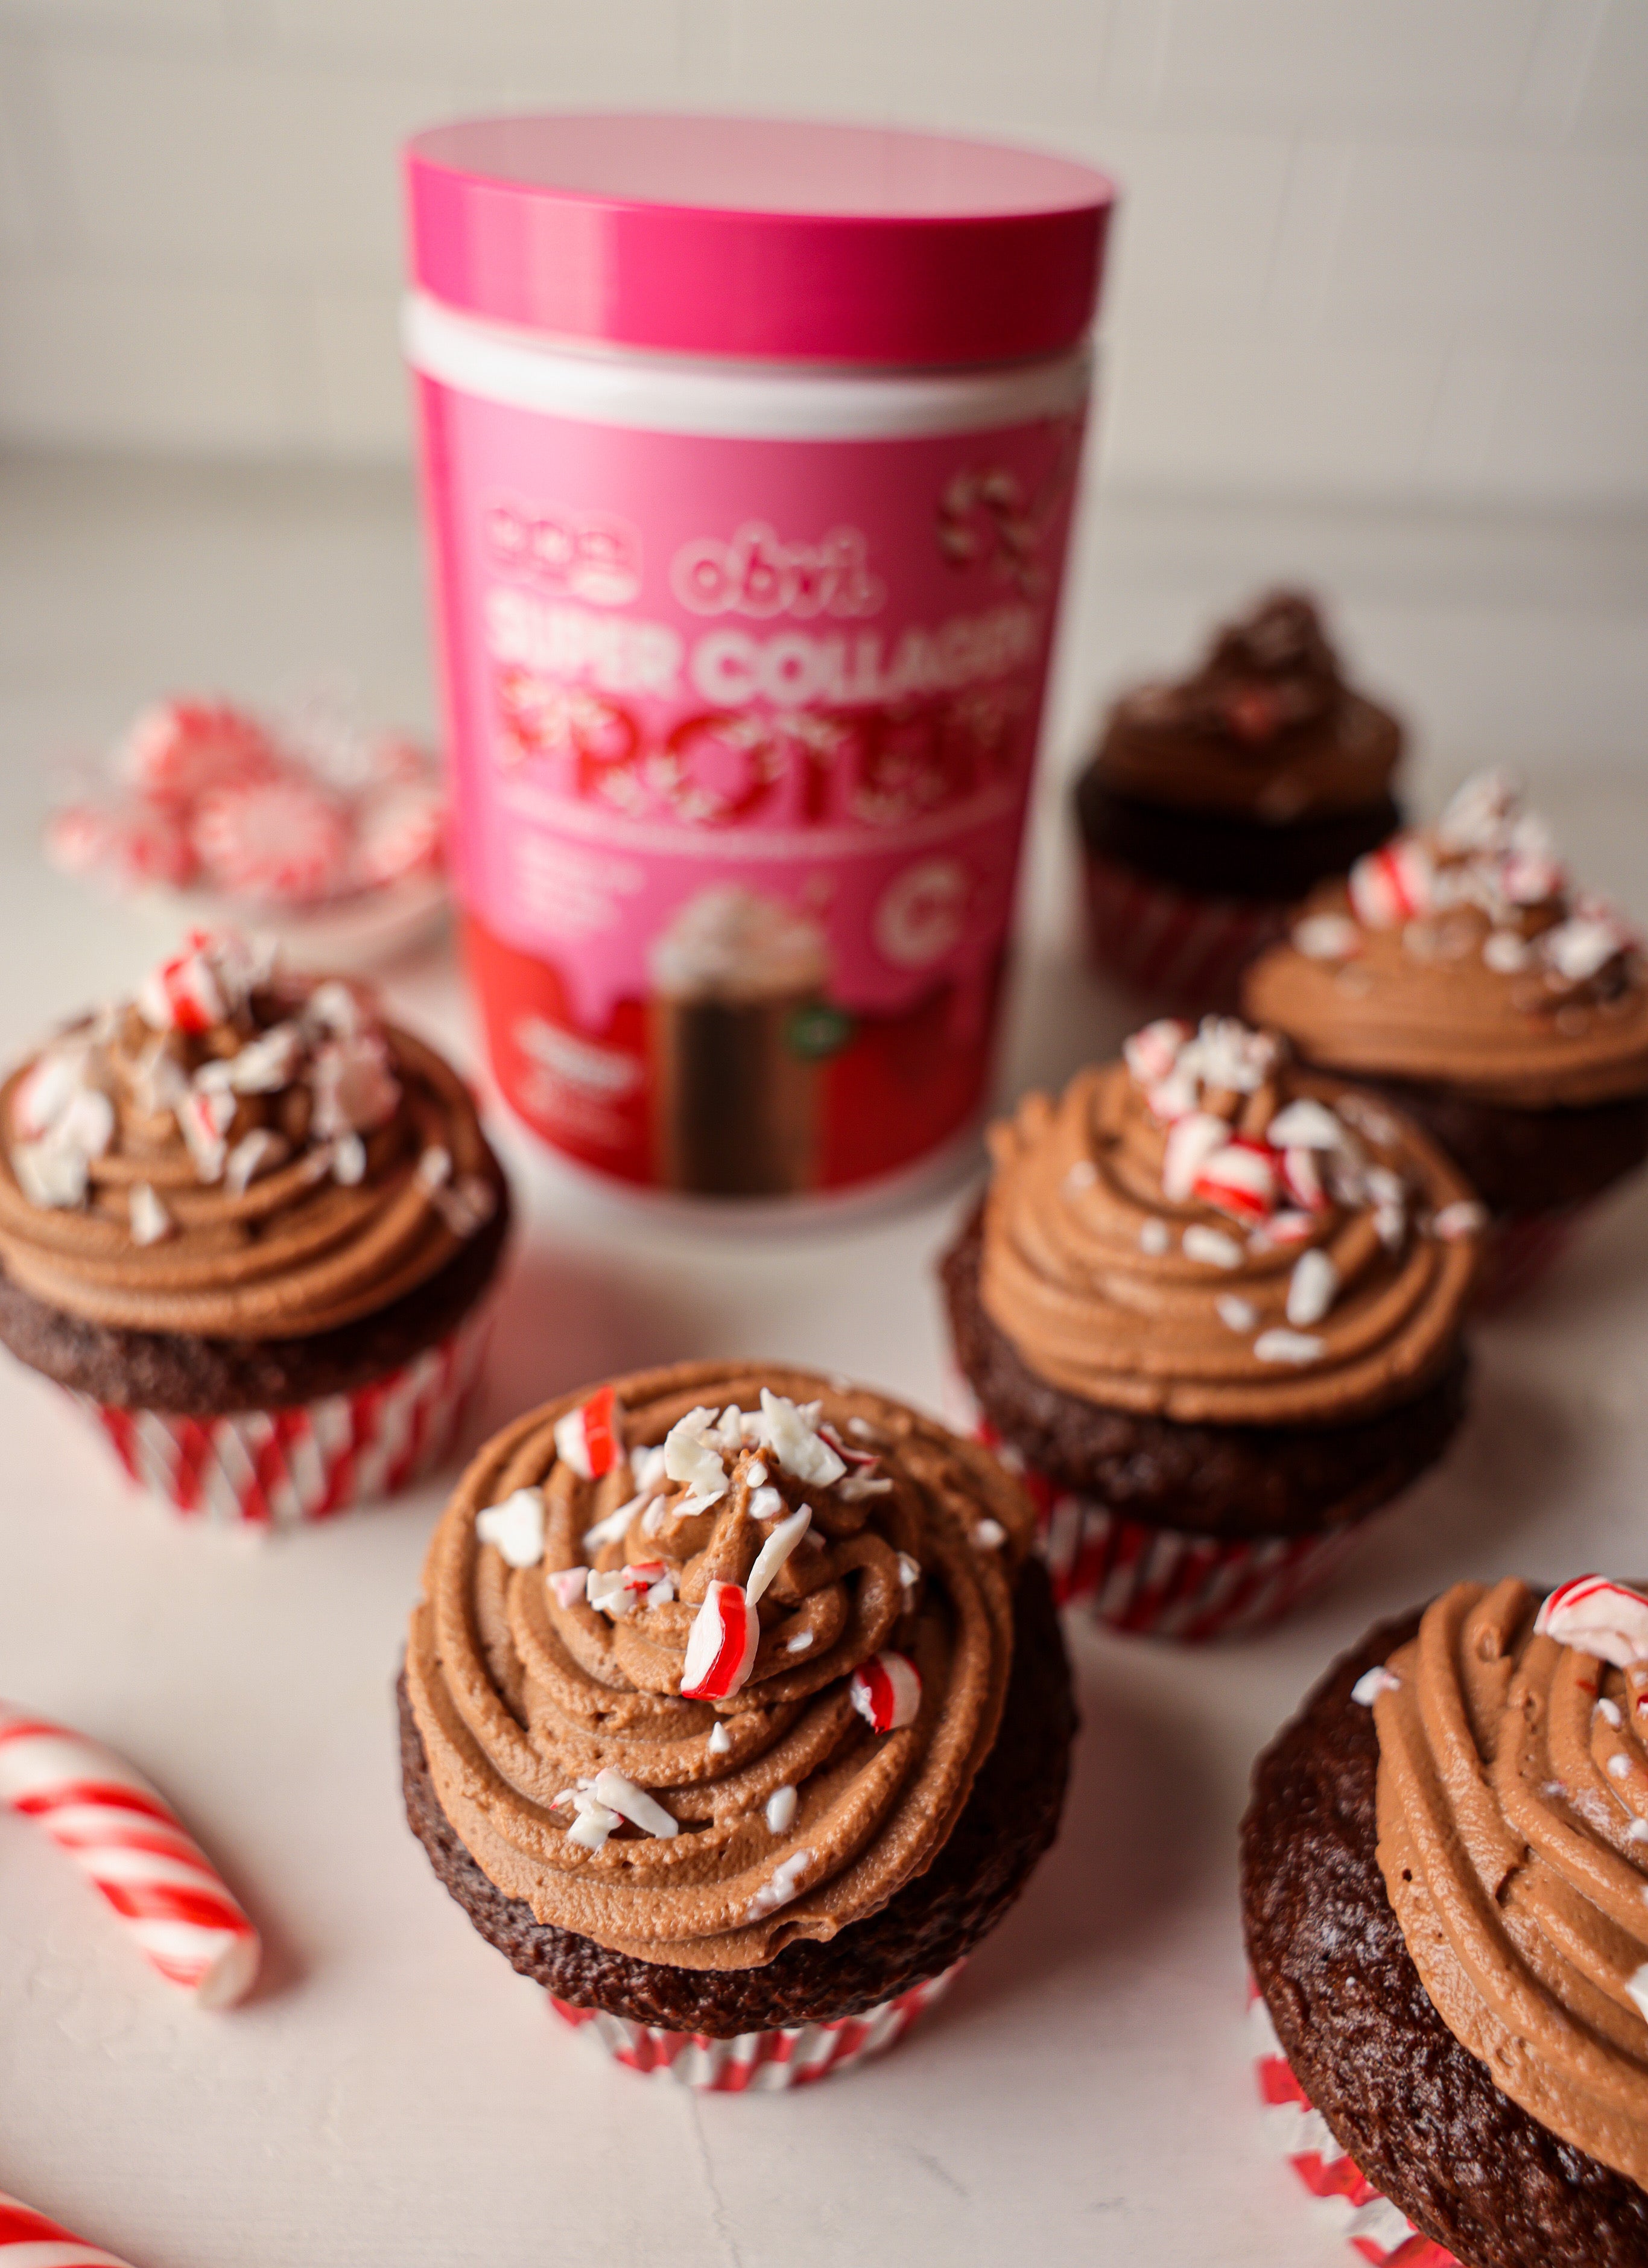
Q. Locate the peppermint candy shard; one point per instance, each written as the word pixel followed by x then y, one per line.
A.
pixel 621 1794
pixel 515 1527
pixel 1236 1314
pixel 1154 1238
pixel 150 1219
pixel 791 1431
pixel 780 1810
pixel 1278 1345
pixel 1326 936
pixel 988 1535
pixel 568 1585
pixel 1306 1125
pixel 721 1644
pixel 1391 886
pixel 1151 1053
pixel 1371 1683
pixel 1191 1141
pixel 774 1552
pixel 1239 1178
pixel 1311 1288
pixel 588 1438
pixel 785 1884
pixel 886 1690
pixel 719 1740
pixel 1456 1221
pixel 1597 1616
pixel 693 1460
pixel 1212 1247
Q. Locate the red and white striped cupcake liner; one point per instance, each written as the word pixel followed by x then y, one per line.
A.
pixel 1163 1582
pixel 798 2055
pixel 1374 2229
pixel 1175 947
pixel 266 1469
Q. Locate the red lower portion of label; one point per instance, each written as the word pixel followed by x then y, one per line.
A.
pixel 768 1098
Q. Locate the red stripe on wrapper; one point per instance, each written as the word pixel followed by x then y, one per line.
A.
pixel 267 1469
pixel 1375 2230
pixel 798 2055
pixel 1173 946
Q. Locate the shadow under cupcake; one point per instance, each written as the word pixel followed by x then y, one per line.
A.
pixel 251 1229
pixel 1210 1310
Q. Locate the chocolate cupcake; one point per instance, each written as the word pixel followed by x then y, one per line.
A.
pixel 1210 1307
pixel 249 1226
pixel 1445 1895
pixel 1214 803
pixel 735 1713
pixel 1461 971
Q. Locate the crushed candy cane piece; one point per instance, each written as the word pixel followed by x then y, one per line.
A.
pixel 590 1437
pixel 50 1176
pixel 1239 1178
pixel 721 1644
pixel 1373 1683
pixel 790 1430
pixel 719 1740
pixel 594 1822
pixel 1579 946
pixel 283 840
pixel 1288 1227
pixel 886 1690
pixel 568 1585
pixel 1278 1345
pixel 771 1557
pixel 1326 936
pixel 692 1460
pixel 1610 1711
pixel 1311 1288
pixel 909 1570
pixel 1151 1053
pixel 515 1527
pixel 988 1535
pixel 614 1527
pixel 1235 1313
pixel 1506 951
pixel 1082 1176
pixel 1191 1141
pixel 184 994
pixel 348 1157
pixel 204 1119
pixel 1462 1218
pixel 1390 886
pixel 1302 1181
pixel 621 1794
pixel 1212 1247
pixel 1306 1125
pixel 766 1502
pixel 1154 1238
pixel 258 1152
pixel 784 1885
pixel 355 1091
pixel 151 1222
pixel 1598 1616
pixel 781 1810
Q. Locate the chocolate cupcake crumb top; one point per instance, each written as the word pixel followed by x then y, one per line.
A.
pixel 238 1153
pixel 1513 1797
pixel 708 1662
pixel 1267 727
pixel 1465 954
pixel 1208 1231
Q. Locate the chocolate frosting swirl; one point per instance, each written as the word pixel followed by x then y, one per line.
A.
pixel 1116 1290
pixel 1463 954
pixel 1266 728
pixel 1513 1840
pixel 250 1156
pixel 792 1816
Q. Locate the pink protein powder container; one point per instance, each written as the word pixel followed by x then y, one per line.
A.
pixel 749 453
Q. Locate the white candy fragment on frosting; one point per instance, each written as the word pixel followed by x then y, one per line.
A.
pixel 203 1117
pixel 988 1535
pixel 1311 1288
pixel 790 1430
pixel 150 1221
pixel 1462 1218
pixel 909 1570
pixel 1373 1683
pixel 1212 1247
pixel 1610 1711
pixel 719 1740
pixel 516 1526
pixel 633 1803
pixel 1638 1987
pixel 1618 1767
pixel 720 1645
pixel 1236 1314
pixel 1506 951
pixel 568 1585
pixel 692 1460
pixel 1154 1237
pixel 1597 1616
pixel 1306 1125
pixel 1191 1141
pixel 259 1151
pixel 781 1810
pixel 1278 1345
pixel 776 1550
pixel 784 1885
pixel 886 1690
pixel 766 1503
pixel 1326 936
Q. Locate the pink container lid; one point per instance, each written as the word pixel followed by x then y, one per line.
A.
pixel 759 239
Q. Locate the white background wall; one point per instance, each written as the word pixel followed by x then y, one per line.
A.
pixel 1378 247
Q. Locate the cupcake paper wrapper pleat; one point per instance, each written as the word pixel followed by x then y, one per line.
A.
pixel 1369 2224
pixel 1173 946
pixel 263 1469
pixel 798 2055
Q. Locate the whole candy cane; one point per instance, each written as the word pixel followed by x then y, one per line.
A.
pixel 137 1851
pixel 33 2241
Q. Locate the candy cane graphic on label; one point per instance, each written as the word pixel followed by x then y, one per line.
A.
pixel 28 2240
pixel 138 1853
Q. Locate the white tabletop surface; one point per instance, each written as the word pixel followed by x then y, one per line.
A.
pixel 394 2095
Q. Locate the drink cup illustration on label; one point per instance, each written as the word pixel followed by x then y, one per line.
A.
pixel 740 784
